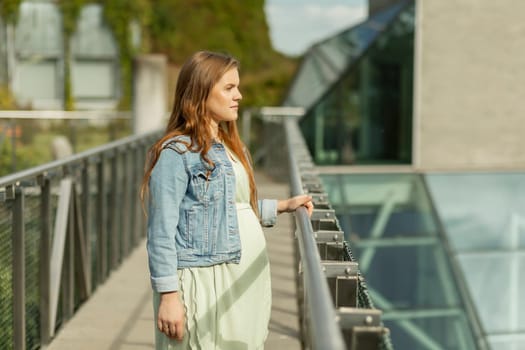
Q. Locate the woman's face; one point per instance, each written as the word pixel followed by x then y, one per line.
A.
pixel 223 101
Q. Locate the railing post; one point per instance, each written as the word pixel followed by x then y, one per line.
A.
pixel 19 290
pixel 136 171
pixel 86 222
pixel 102 241
pixel 114 234
pixel 125 210
pixel 45 257
pixel 140 215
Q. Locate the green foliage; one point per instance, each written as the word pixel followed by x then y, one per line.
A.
pixel 119 14
pixel 179 28
pixel 9 10
pixel 26 157
pixel 7 101
pixel 70 10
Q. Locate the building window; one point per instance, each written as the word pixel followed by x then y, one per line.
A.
pixel 94 62
pixel 38 56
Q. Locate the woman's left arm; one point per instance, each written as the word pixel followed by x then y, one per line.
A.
pixel 291 204
pixel 270 208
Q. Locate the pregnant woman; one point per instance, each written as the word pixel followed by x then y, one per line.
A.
pixel 207 253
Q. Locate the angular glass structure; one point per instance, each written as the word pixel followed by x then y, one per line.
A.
pixel 442 252
pixel 357 89
pixel 484 218
pixel 390 223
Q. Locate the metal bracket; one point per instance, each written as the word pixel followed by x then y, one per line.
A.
pixel 334 251
pixel 342 279
pixel 328 236
pixel 10 191
pixel 340 268
pixel 325 224
pixel 313 187
pixel 323 214
pixel 353 317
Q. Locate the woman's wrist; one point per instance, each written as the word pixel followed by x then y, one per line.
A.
pixel 169 295
pixel 282 206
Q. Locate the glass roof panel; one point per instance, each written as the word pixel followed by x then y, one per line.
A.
pixel 391 227
pixel 484 219
pixel 333 56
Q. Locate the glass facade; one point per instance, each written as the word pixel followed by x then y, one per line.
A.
pixel 442 252
pixel 484 218
pixel 392 228
pixel 365 116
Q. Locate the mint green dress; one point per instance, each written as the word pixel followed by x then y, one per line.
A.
pixel 227 305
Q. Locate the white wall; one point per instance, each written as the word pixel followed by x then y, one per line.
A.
pixel 469 96
pixel 150 93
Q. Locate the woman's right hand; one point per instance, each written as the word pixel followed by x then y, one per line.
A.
pixel 171 318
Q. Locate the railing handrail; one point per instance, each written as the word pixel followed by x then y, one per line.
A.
pixel 61 114
pixel 326 333
pixel 60 163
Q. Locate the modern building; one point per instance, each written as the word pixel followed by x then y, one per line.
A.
pixel 416 119
pixel 32 58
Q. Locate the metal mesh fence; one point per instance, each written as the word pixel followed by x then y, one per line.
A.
pixel 6 279
pixel 32 220
pixel 102 224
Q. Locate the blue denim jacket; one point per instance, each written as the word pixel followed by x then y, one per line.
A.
pixel 192 216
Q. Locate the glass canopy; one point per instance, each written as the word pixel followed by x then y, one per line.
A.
pixel 392 228
pixel 357 89
pixel 484 218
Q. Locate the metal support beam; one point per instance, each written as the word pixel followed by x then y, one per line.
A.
pixel 378 229
pixel 57 252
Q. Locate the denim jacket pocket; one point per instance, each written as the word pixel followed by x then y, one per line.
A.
pixel 206 184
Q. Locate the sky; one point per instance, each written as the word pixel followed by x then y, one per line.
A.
pixel 297 24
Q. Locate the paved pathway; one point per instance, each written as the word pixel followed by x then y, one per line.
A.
pixel 119 315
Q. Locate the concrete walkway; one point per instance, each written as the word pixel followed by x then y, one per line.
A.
pixel 119 316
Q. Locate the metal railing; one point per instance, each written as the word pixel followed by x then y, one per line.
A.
pixel 64 226
pixel 336 310
pixel 325 333
pixel 20 131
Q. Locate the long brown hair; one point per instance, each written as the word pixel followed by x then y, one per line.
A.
pixel 189 116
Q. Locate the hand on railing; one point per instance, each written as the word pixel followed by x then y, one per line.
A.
pixel 291 204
